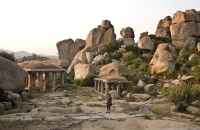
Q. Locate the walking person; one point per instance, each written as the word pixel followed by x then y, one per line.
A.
pixel 108 102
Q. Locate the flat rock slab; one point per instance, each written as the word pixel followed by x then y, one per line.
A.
pixel 87 117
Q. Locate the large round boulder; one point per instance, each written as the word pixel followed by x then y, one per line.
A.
pixel 127 32
pixel 163 59
pixel 113 69
pixel 12 77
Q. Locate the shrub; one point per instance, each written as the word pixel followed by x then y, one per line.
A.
pixel 170 73
pixel 7 55
pixel 68 77
pixel 196 73
pixel 158 40
pixel 107 59
pixel 183 93
pixel 88 80
pixel 128 56
pixel 134 88
pixel 116 55
pixel 77 81
pixel 132 48
pixel 111 47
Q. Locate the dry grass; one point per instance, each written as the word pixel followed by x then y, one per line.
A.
pixel 38 65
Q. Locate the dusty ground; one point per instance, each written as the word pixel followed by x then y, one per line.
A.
pixel 93 116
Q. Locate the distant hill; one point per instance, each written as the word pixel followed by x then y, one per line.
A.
pixel 20 54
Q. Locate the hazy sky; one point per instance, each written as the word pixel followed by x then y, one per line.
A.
pixel 36 26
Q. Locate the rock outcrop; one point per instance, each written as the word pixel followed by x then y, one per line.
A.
pixel 127 36
pixel 67 49
pixel 95 41
pixel 163 27
pixel 185 29
pixel 145 44
pixel 82 70
pixel 164 58
pixel 113 69
pixel 12 77
pixel 14 98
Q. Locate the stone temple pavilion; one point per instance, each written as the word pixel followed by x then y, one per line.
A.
pixel 42 75
pixel 41 78
pixel 104 84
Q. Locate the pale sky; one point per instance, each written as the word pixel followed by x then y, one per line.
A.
pixel 36 26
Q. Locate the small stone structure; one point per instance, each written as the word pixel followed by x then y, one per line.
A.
pixel 104 84
pixel 41 78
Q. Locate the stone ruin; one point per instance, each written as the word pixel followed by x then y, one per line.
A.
pixel 107 83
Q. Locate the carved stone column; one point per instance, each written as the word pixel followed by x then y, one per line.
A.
pixel 119 88
pixel 53 81
pixel 62 78
pixel 29 80
pixel 95 84
pixel 99 86
pixel 102 87
pixel 40 81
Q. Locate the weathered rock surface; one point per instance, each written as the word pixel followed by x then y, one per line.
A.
pixel 82 70
pixel 198 46
pixel 74 62
pixel 44 112
pixel 127 41
pixel 163 32
pixel 163 27
pixel 127 32
pixel 193 110
pixel 114 94
pixel 81 55
pixel 193 57
pixel 145 44
pixel 163 58
pixel 113 69
pixel 94 37
pixel 14 98
pixel 106 24
pixel 143 34
pixel 67 49
pixel 80 43
pixel 12 77
pixel 182 35
pixel 2 108
pixel 108 37
pixel 185 31
pixel 180 16
pixel 194 13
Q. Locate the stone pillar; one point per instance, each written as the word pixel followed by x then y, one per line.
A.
pixel 107 87
pixel 99 86
pixel 44 87
pixel 62 78
pixel 40 81
pixel 34 76
pixel 119 88
pixel 29 80
pixel 102 87
pixel 53 81
pixel 95 84
pixel 47 76
pixel 37 80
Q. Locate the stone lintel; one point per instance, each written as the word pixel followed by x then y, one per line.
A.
pixel 44 70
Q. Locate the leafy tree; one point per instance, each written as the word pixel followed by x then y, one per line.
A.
pixel 7 54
